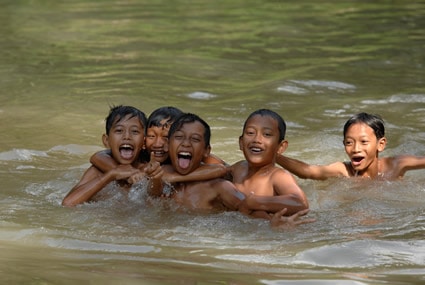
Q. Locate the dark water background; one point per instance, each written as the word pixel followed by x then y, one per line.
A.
pixel 63 63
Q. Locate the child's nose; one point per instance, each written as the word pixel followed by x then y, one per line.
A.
pixel 258 137
pixel 127 134
pixel 356 147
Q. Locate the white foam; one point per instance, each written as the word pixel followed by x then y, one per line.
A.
pixel 22 154
pixel 201 95
pixel 400 98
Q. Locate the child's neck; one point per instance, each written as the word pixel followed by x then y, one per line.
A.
pixel 260 169
pixel 373 171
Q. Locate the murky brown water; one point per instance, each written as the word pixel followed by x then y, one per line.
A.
pixel 63 63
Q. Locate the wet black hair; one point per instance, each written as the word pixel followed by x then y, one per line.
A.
pixel 373 121
pixel 117 113
pixel 266 112
pixel 186 118
pixel 158 115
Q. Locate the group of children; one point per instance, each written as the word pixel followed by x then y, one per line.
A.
pixel 173 148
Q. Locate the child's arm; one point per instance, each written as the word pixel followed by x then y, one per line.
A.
pixel 213 159
pixel 279 221
pixel 93 181
pixel 236 200
pixel 403 163
pixel 103 160
pixel 202 173
pixel 273 204
pixel 308 171
pixel 286 187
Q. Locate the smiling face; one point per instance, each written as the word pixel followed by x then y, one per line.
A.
pixel 125 139
pixel 260 140
pixel 187 147
pixel 362 147
pixel 157 140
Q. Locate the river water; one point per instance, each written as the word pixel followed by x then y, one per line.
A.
pixel 63 63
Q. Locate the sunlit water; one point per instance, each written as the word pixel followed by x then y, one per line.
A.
pixel 62 64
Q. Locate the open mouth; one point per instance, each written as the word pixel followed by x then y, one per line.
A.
pixel 126 151
pixel 159 153
pixel 357 160
pixel 255 149
pixel 184 159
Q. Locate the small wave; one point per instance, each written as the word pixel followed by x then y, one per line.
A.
pixel 302 86
pixel 75 149
pixel 400 98
pixel 22 154
pixel 84 245
pixel 364 253
pixel 292 89
pixel 201 95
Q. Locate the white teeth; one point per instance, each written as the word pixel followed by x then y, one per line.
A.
pixel 126 146
pixel 184 153
pixel 256 149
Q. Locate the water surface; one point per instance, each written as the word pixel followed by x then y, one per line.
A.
pixel 64 63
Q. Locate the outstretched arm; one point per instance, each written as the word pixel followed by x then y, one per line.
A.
pixel 308 171
pixel 404 163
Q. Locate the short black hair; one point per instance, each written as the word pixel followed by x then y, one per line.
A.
pixel 119 112
pixel 170 113
pixel 186 118
pixel 266 112
pixel 373 121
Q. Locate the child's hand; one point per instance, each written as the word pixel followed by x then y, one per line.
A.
pixel 136 177
pixel 153 168
pixel 279 221
pixel 123 172
pixel 154 172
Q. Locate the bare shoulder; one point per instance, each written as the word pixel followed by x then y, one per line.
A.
pixel 239 165
pixel 91 173
pixel 399 164
pixel 280 173
pixel 284 182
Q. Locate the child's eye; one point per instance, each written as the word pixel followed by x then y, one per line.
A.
pixel 348 143
pixel 365 142
pixel 196 140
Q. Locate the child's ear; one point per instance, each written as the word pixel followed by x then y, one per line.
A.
pixel 240 143
pixel 382 142
pixel 105 140
pixel 282 147
pixel 207 151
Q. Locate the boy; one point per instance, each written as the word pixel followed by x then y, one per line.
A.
pixel 124 137
pixel 156 144
pixel 262 140
pixel 364 139
pixel 189 144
